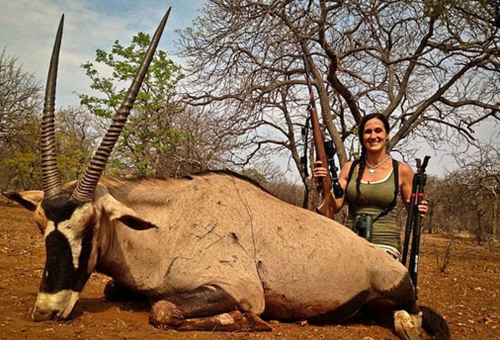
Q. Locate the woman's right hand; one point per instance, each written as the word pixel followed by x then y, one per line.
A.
pixel 319 171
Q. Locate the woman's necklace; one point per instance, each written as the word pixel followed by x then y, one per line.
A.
pixel 372 169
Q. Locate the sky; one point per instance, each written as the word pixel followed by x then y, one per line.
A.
pixel 28 28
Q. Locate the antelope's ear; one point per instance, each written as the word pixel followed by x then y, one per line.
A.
pixel 28 199
pixel 135 222
pixel 116 210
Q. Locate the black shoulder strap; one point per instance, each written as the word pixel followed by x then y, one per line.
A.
pixel 351 170
pixel 395 167
pixel 349 176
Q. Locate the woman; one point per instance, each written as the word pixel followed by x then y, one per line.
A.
pixel 370 187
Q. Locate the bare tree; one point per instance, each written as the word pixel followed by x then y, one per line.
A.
pixel 204 142
pixel 20 96
pixel 468 199
pixel 431 67
pixel 77 139
pixel 20 101
pixel 480 175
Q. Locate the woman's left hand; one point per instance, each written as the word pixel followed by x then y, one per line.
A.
pixel 423 207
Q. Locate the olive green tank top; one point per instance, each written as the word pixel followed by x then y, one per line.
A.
pixel 375 197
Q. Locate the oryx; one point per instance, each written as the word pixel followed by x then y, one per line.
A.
pixel 211 252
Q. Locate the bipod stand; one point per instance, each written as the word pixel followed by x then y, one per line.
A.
pixel 414 220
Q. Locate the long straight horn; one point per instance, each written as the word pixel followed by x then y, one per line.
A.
pixel 84 192
pixel 50 174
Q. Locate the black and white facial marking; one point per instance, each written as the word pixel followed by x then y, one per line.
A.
pixel 69 247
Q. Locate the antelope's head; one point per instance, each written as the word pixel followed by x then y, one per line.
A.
pixel 67 216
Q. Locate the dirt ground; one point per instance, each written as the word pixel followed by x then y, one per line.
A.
pixel 466 293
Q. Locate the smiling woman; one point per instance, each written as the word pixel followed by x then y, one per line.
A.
pixel 372 184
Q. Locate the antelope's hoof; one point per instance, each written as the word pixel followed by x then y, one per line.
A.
pixel 164 314
pixel 407 326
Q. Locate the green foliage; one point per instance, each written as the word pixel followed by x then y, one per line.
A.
pixel 73 156
pixel 25 167
pixel 159 86
pixel 149 133
pixel 20 158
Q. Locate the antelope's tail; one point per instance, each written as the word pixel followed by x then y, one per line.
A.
pixel 434 324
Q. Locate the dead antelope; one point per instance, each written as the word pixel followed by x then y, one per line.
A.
pixel 232 255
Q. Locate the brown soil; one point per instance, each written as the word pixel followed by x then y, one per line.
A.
pixel 466 293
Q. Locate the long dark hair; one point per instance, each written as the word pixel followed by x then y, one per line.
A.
pixel 362 158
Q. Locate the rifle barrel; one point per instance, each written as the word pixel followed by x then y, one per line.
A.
pixel 325 184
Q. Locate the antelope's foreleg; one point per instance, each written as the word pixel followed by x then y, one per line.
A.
pixel 208 308
pixel 113 291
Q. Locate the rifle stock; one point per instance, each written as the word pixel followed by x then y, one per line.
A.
pixel 326 206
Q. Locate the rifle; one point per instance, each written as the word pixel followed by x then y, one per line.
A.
pixel 325 208
pixel 303 162
pixel 414 220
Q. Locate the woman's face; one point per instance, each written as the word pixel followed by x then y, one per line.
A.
pixel 374 135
